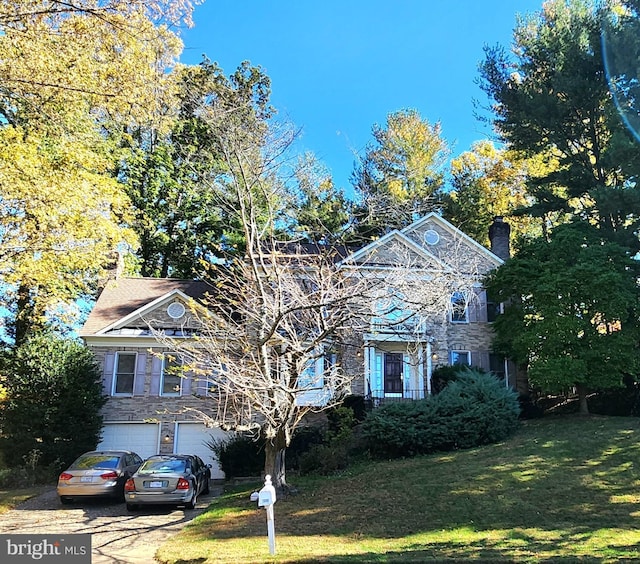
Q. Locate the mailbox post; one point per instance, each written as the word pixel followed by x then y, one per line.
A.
pixel 266 497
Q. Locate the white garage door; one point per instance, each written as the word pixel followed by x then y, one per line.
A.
pixel 138 437
pixel 191 439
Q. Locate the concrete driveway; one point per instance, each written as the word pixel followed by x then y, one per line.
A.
pixel 117 535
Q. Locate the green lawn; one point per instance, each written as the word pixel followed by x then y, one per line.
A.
pixel 562 489
pixel 10 498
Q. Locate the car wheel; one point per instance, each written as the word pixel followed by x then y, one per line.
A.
pixel 131 507
pixel 65 500
pixel 192 503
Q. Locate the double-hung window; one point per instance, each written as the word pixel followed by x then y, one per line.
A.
pixel 460 358
pixel 124 373
pixel 459 309
pixel 171 380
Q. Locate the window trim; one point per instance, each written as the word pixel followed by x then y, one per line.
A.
pixel 460 352
pixel 174 394
pixel 116 374
pixel 464 319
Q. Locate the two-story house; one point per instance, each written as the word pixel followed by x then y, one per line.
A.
pixel 151 409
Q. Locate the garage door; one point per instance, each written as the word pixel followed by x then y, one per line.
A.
pixel 191 439
pixel 138 437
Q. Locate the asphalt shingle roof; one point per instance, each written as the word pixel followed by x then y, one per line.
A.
pixel 123 296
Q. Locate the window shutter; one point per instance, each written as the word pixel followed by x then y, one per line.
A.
pixel 107 373
pixel 139 377
pixel 480 359
pixel 481 313
pixel 311 384
pixel 201 386
pixel 186 383
pixel 156 373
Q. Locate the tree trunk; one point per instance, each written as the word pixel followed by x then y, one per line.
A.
pixel 274 461
pixel 25 315
pixel 582 398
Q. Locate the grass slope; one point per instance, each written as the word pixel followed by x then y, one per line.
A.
pixel 562 489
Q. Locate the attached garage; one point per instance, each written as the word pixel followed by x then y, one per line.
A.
pixel 190 438
pixel 142 438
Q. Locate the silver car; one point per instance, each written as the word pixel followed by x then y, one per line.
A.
pixel 97 474
pixel 172 479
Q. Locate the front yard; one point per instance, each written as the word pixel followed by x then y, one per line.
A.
pixel 10 498
pixel 565 488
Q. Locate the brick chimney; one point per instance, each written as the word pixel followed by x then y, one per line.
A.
pixel 499 235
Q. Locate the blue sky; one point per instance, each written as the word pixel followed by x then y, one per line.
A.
pixel 339 66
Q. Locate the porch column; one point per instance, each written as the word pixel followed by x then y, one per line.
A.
pixel 421 372
pixel 368 388
pixel 429 366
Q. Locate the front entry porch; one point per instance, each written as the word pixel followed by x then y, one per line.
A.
pixel 396 373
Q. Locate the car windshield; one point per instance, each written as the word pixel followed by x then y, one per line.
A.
pixel 96 461
pixel 170 465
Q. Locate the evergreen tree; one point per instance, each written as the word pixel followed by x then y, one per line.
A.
pixel 552 99
pixel 52 402
pixel 176 180
pixel 319 212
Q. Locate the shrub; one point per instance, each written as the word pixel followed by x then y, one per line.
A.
pixel 473 410
pixel 303 440
pixel 478 408
pixel 53 400
pixel 441 376
pixel 239 455
pixel 313 449
pixel 334 452
pixel 358 405
pixel 623 401
pixel 242 454
pixel 405 429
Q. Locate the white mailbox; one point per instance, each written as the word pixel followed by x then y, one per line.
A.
pixel 267 495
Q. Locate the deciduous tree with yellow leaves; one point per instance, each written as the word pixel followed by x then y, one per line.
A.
pixel 74 77
pixel 402 172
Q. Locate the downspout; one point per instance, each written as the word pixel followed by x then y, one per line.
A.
pixel 429 366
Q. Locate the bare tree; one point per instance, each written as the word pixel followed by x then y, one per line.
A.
pixel 273 341
pixel 268 347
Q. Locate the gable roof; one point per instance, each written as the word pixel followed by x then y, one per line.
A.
pixel 362 257
pixel 405 238
pixel 122 297
pixel 433 216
